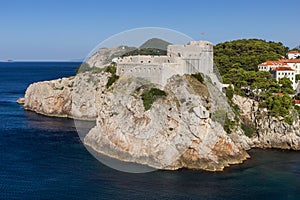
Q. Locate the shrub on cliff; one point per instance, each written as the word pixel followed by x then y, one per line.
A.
pixel 150 96
pixel 111 69
pixel 199 77
pixel 111 80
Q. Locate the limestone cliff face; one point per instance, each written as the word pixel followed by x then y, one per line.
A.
pixel 271 132
pixel 73 97
pixel 177 132
pixel 51 98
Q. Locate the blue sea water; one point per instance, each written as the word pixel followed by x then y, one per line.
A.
pixel 43 158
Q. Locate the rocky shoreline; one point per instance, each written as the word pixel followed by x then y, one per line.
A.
pixel 177 132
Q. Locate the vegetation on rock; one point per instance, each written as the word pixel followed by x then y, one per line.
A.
pixel 149 96
pixel 199 77
pixel 111 69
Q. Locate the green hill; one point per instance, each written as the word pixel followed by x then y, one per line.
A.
pixel 155 43
pixel 246 54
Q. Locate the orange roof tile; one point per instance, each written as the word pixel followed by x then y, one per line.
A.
pixel 293 52
pixel 289 60
pixel 296 101
pixel 280 94
pixel 285 68
pixel 271 63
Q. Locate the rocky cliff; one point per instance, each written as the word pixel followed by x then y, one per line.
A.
pixel 52 98
pixel 180 130
pixel 270 132
pixel 176 132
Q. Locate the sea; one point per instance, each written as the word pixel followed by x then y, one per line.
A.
pixel 43 158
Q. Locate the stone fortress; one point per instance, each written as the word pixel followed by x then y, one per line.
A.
pixel 196 56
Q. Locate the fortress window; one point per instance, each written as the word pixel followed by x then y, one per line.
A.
pixel 168 61
pixel 141 61
pixel 179 54
pixel 149 61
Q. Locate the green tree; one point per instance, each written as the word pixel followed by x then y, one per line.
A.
pixel 229 92
pixel 246 54
pixel 286 86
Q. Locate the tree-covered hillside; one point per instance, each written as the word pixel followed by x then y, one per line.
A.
pixel 237 62
pixel 246 54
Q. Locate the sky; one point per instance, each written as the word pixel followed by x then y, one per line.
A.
pixel 67 30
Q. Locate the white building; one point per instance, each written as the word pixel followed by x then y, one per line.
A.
pixel 292 63
pixel 285 71
pixel 288 68
pixel 269 65
pixel 293 54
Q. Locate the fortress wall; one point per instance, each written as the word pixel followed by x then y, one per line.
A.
pixel 198 56
pixel 151 72
pixel 170 69
pixel 145 59
pixel 181 59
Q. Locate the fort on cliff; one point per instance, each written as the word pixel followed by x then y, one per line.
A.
pixel 196 56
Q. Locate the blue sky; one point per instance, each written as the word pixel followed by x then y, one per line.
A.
pixel 62 30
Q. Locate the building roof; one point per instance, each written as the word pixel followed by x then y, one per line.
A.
pixel 271 63
pixel 289 60
pixel 285 68
pixel 293 51
pixel 280 94
pixel 296 101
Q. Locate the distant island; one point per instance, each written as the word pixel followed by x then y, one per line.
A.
pixel 169 109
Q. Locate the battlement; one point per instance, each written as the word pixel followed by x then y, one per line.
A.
pixel 196 56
